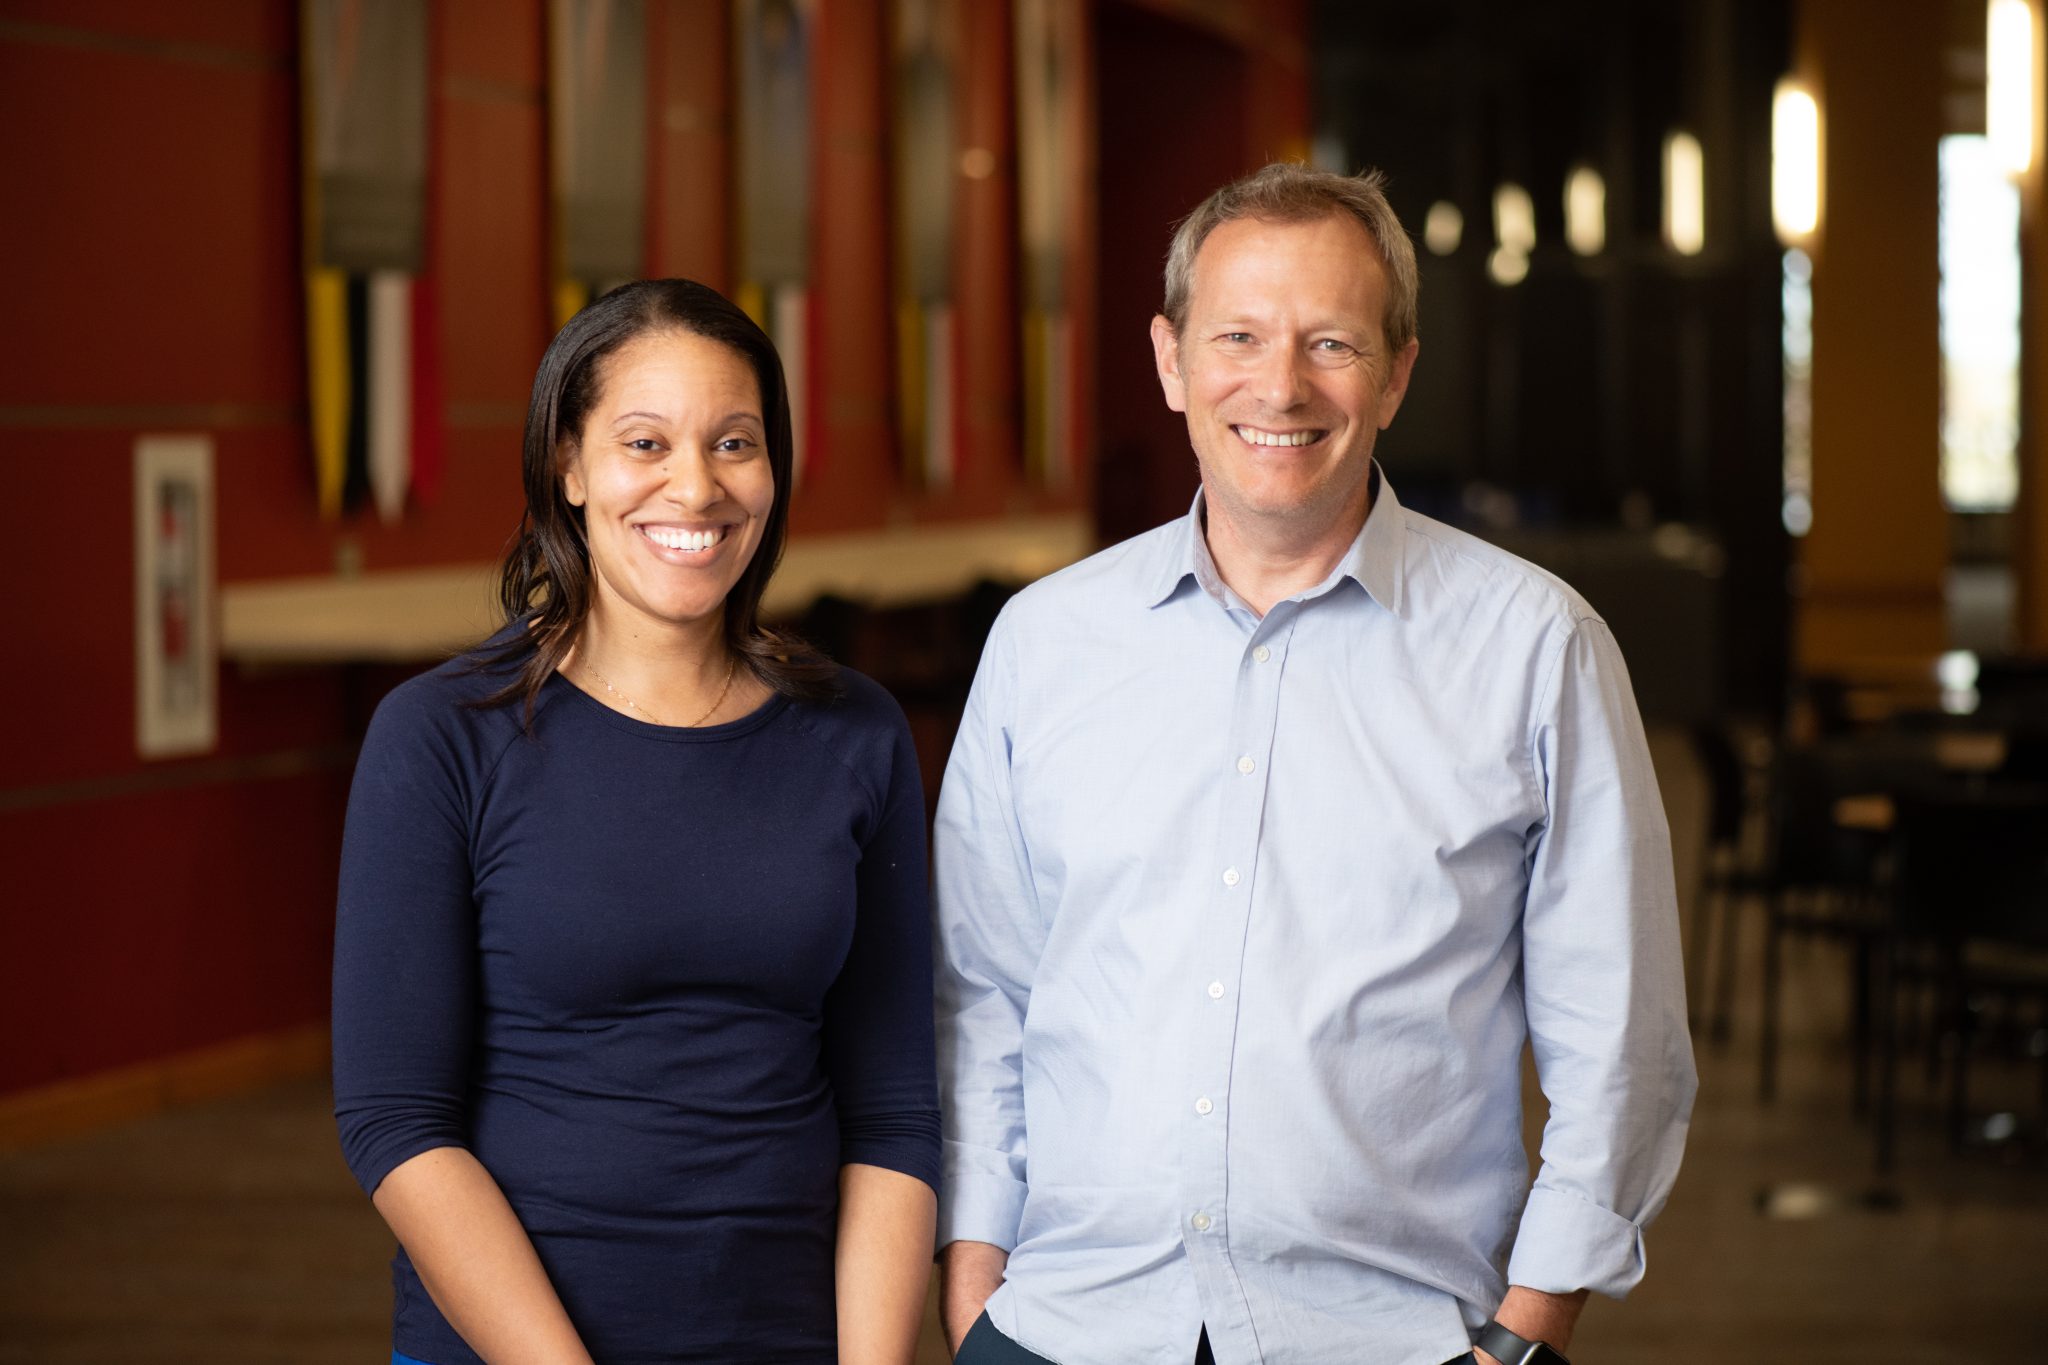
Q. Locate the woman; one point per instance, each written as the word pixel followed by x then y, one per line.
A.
pixel 632 996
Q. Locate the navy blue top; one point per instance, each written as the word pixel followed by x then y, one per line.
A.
pixel 662 983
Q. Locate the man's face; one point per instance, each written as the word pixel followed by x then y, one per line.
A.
pixel 1284 372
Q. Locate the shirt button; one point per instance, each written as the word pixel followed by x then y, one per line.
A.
pixel 1245 764
pixel 1203 1106
pixel 1200 1222
pixel 1262 654
pixel 1215 990
pixel 1230 877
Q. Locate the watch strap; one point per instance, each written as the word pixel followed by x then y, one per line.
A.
pixel 1509 1349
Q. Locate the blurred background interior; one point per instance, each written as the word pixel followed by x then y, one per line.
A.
pixel 1733 314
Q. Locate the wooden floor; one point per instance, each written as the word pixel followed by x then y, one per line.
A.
pixel 231 1233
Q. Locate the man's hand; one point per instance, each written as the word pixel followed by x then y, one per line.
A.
pixel 968 1273
pixel 1536 1316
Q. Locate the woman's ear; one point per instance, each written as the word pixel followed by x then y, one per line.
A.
pixel 570 469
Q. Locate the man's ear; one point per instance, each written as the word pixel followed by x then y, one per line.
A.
pixel 1166 357
pixel 570 470
pixel 1397 382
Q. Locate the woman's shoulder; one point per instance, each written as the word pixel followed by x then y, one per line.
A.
pixel 858 706
pixel 454 700
pixel 860 725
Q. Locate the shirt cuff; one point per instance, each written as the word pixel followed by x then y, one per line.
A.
pixel 978 1206
pixel 1567 1243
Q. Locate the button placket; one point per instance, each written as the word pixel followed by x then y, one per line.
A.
pixel 1240 812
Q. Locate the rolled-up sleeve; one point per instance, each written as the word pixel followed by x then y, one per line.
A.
pixel 405 944
pixel 877 1027
pixel 990 937
pixel 1603 982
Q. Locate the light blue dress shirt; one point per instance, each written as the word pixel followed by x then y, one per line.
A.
pixel 1243 924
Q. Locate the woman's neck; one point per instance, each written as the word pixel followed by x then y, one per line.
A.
pixel 669 673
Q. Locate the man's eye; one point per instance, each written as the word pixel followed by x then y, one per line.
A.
pixel 1332 345
pixel 1236 338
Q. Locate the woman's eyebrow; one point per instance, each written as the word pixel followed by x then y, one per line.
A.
pixel 737 415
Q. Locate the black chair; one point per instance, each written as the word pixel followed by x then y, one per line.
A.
pixel 1968 895
pixel 1729 878
pixel 1819 877
pixel 2013 692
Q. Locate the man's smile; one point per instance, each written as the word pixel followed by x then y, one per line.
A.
pixel 1258 436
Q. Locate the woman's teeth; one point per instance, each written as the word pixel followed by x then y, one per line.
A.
pixel 1277 438
pixel 683 540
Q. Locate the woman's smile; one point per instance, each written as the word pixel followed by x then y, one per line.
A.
pixel 682 544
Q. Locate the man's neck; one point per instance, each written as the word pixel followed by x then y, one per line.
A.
pixel 1266 562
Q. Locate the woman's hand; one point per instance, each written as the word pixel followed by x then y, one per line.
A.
pixel 883 1264
pixel 476 1260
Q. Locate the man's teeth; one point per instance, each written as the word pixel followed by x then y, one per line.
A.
pixel 683 540
pixel 1277 438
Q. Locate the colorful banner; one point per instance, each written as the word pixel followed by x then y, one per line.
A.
pixel 772 41
pixel 926 48
pixel 597 146
pixel 1049 155
pixel 368 146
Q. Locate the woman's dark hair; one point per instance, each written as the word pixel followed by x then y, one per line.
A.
pixel 545 578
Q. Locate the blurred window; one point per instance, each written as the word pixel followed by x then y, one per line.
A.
pixel 1980 328
pixel 1796 341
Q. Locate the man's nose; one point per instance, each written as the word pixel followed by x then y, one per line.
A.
pixel 1283 378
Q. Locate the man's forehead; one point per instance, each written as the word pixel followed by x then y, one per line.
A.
pixel 1250 260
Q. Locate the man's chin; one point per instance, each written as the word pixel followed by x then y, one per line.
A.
pixel 1270 504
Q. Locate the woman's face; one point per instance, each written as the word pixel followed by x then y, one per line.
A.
pixel 672 473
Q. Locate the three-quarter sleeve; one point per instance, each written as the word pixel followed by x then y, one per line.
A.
pixel 405 941
pixel 991 936
pixel 1604 983
pixel 877 1045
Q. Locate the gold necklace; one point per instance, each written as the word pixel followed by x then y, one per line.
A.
pixel 731 667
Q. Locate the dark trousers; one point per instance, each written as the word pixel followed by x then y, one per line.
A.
pixel 986 1346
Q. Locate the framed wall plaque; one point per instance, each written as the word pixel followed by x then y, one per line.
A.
pixel 176 710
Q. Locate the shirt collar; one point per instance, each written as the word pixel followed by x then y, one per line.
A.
pixel 1373 561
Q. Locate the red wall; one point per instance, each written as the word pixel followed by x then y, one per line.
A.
pixel 152 165
pixel 153 229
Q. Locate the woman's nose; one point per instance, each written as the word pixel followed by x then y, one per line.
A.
pixel 691 481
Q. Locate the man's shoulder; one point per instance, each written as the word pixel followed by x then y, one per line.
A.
pixel 1121 576
pixel 1453 569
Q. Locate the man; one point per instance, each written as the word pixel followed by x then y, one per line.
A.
pixel 1268 838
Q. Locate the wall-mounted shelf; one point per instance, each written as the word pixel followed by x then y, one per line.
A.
pixel 413 615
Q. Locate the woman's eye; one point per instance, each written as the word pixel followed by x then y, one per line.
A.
pixel 646 444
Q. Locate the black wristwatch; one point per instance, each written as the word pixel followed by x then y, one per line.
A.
pixel 1509 1349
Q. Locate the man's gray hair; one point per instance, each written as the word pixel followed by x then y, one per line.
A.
pixel 1285 192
